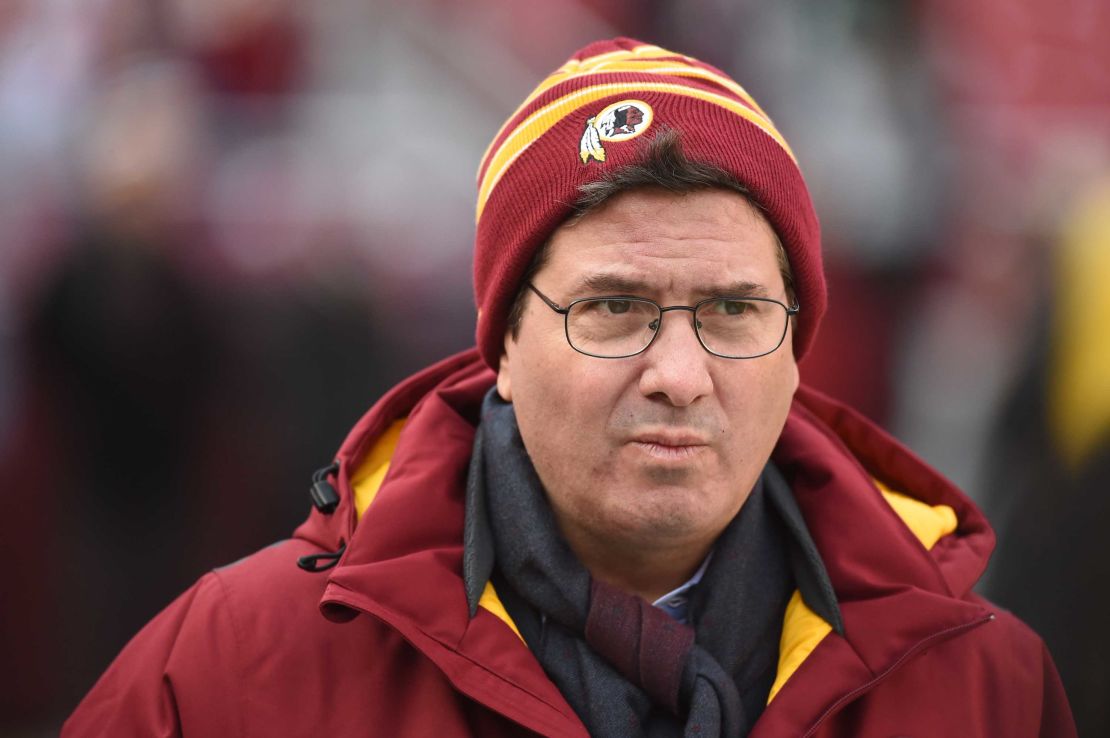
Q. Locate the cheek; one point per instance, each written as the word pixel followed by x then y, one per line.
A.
pixel 560 398
pixel 779 385
pixel 564 407
pixel 536 387
pixel 758 405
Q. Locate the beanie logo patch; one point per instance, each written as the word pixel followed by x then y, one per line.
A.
pixel 617 122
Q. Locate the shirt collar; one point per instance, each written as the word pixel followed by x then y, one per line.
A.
pixel 676 603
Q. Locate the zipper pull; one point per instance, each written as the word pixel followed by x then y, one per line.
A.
pixel 322 561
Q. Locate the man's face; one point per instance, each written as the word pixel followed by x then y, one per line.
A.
pixel 662 448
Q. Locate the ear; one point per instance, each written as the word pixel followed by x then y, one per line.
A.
pixel 504 381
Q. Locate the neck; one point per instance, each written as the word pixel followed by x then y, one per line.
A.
pixel 649 572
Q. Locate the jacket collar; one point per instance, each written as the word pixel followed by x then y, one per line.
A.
pixel 827 448
pixel 896 596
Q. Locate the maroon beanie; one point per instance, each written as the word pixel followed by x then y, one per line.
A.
pixel 582 121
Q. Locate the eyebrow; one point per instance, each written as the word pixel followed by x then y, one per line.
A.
pixel 608 283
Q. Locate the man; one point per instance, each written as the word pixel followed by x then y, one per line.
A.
pixel 630 430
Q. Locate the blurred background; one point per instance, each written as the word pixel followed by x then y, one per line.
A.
pixel 229 225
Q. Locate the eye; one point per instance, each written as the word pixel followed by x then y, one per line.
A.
pixel 617 307
pixel 731 307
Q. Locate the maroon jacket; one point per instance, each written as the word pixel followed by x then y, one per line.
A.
pixel 383 644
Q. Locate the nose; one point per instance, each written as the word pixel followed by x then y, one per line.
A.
pixel 676 367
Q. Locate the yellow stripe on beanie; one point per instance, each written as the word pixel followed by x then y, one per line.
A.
pixel 570 70
pixel 646 59
pixel 541 121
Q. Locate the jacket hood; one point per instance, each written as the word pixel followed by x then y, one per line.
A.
pixel 454 386
pixel 874 532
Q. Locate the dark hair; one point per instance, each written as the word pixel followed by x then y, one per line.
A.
pixel 662 164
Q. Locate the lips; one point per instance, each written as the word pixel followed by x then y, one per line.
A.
pixel 674 438
pixel 669 445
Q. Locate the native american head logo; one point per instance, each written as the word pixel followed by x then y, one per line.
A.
pixel 617 122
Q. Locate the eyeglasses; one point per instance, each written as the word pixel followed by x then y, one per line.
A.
pixel 618 327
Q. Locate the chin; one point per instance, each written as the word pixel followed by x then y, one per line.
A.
pixel 673 513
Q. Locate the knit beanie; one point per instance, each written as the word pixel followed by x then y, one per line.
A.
pixel 584 120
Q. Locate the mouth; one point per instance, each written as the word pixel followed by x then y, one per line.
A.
pixel 672 446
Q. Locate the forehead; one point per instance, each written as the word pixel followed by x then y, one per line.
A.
pixel 668 243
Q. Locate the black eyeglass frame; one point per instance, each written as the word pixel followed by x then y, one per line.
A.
pixel 565 312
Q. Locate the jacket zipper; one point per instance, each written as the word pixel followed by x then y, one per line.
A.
pixel 921 645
